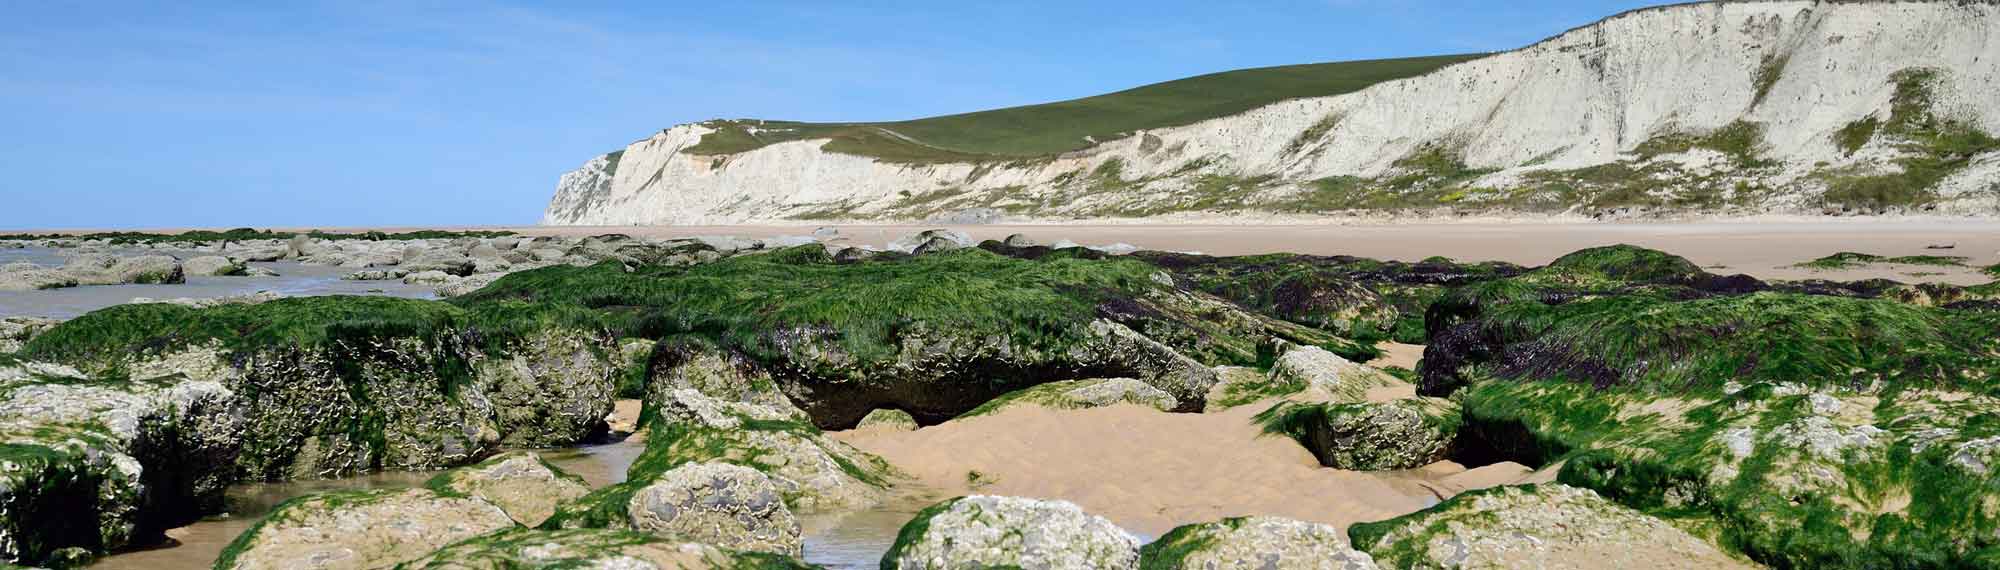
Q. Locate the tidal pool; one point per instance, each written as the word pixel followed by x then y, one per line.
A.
pixel 293 280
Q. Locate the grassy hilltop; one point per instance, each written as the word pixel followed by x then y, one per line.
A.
pixel 1054 128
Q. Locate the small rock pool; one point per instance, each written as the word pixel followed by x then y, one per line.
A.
pixel 840 541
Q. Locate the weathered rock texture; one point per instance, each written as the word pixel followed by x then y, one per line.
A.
pixel 1254 543
pixel 519 482
pixel 360 530
pixel 1731 106
pixel 1010 532
pixel 1547 526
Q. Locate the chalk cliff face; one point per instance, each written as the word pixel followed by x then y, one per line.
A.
pixel 1704 109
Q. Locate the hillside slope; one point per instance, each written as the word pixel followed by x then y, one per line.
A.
pixel 1702 109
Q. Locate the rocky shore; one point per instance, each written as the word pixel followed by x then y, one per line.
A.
pixel 1656 415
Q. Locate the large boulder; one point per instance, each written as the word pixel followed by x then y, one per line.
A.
pixel 812 471
pixel 94 464
pixel 519 482
pixel 1549 526
pixel 726 505
pixel 1079 394
pixel 360 530
pixel 24 276
pixel 214 266
pixel 593 548
pixel 439 260
pixel 1254 543
pixel 982 531
pixel 1369 436
pixel 692 363
pixel 104 269
pixel 931 241
pixel 1307 373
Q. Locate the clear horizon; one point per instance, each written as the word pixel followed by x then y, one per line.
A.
pixel 458 114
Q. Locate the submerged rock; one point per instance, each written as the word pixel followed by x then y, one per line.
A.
pixel 360 530
pixel 1540 526
pixel 593 548
pixel 982 531
pixel 1254 543
pixel 518 482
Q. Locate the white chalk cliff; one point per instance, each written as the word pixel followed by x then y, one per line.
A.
pixel 1723 108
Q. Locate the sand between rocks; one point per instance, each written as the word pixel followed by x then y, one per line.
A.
pixel 1149 471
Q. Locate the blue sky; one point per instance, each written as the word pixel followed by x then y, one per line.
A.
pixel 158 114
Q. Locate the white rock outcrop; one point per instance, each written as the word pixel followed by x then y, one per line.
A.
pixel 1800 70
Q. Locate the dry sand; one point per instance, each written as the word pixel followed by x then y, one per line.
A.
pixel 1150 471
pixel 1398 354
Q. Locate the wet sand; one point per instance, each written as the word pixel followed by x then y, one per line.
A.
pixel 1150 471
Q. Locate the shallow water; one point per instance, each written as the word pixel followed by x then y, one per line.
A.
pixel 843 541
pixel 293 280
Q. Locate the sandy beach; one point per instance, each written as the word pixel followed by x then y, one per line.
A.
pixel 1150 471
pixel 1767 248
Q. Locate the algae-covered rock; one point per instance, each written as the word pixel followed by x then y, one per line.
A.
pixel 693 363
pixel 1369 436
pixel 93 464
pixel 1079 394
pixel 1303 373
pixel 520 483
pixel 360 530
pixel 887 420
pixel 1254 543
pixel 17 331
pixel 933 335
pixel 593 548
pixel 983 531
pixel 339 385
pixel 1804 430
pixel 551 388
pixel 811 470
pixel 1540 526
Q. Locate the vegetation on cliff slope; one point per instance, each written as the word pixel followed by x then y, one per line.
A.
pixel 1053 128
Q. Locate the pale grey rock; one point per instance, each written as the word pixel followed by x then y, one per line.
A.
pixel 105 269
pixel 1019 240
pixel 429 278
pixel 359 530
pixel 527 488
pixel 24 276
pixel 730 506
pixel 1551 526
pixel 465 285
pixel 377 275
pixel 17 331
pixel 1255 543
pixel 213 265
pixel 982 531
pixel 947 239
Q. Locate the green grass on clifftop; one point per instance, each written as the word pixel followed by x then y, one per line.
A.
pixel 1053 128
